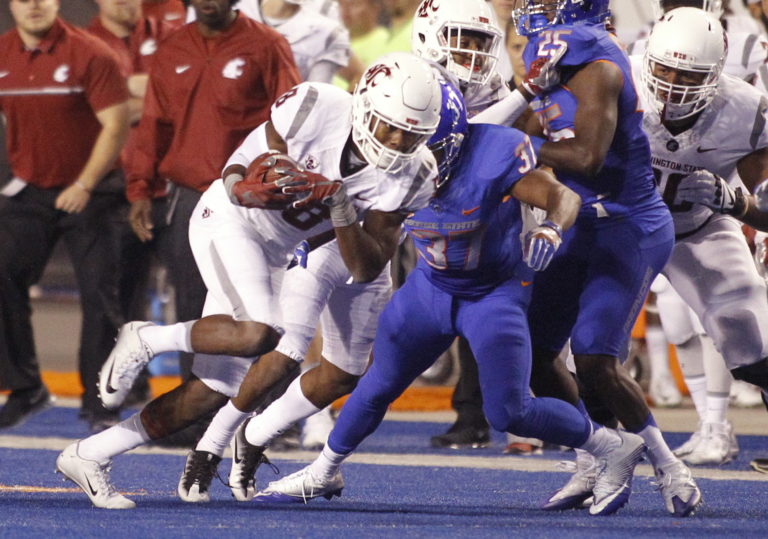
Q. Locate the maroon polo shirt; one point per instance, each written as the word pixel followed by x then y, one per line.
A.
pixel 204 97
pixel 49 97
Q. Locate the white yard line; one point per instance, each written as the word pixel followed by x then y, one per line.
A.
pixel 521 464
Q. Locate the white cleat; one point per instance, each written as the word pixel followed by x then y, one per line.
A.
pixel 129 356
pixel 681 494
pixel 579 487
pixel 316 429
pixel 664 392
pixel 613 483
pixel 717 445
pixel 301 486
pixel 745 395
pixel 92 478
pixel 690 445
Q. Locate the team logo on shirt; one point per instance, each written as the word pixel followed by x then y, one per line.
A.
pixel 233 69
pixel 310 163
pixel 4 74
pixel 62 73
pixel 148 47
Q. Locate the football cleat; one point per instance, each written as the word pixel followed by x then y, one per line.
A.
pixel 717 445
pixel 124 364
pixel 689 446
pixel 195 481
pixel 681 494
pixel 316 428
pixel 613 483
pixel 301 486
pixel 246 459
pixel 745 395
pixel 579 487
pixel 460 437
pixel 92 477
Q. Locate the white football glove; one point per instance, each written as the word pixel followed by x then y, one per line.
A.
pixel 541 243
pixel 761 196
pixel 712 191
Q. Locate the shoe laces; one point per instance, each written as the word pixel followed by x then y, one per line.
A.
pixel 103 479
pixel 135 361
pixel 664 480
pixel 253 458
pixel 201 470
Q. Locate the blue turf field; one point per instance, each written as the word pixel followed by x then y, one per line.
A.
pixel 422 495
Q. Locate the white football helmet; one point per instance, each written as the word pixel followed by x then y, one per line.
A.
pixel 685 39
pixel 400 90
pixel 437 33
pixel 713 6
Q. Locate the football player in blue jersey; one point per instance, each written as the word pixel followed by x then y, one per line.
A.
pixel 473 268
pixel 591 136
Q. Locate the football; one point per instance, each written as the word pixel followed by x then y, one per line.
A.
pixel 259 189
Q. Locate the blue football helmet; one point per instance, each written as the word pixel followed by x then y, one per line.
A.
pixel 536 15
pixel 450 131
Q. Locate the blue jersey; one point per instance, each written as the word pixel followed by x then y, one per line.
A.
pixel 468 237
pixel 625 186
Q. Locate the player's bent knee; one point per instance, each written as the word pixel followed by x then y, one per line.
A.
pixel 255 339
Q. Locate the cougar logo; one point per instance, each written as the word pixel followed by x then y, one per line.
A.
pixel 207 212
pixel 429 4
pixel 148 47
pixel 375 71
pixel 61 74
pixel 233 69
pixel 310 163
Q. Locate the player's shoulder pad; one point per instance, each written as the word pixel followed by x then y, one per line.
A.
pixel 309 108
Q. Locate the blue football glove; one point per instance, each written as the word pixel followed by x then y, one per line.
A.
pixel 300 254
pixel 541 243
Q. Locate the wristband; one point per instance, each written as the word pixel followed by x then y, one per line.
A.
pixel 554 226
pixel 343 213
pixel 229 184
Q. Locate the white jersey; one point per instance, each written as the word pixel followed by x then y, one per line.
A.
pixel 315 120
pixel 313 37
pixel 732 126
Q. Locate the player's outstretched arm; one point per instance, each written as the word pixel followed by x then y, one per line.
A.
pixel 596 87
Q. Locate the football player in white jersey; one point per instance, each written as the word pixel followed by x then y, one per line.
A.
pixel 706 127
pixel 320 44
pixel 372 147
pixel 706 375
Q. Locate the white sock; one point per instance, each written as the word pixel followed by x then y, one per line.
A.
pixel 327 463
pixel 172 338
pixel 656 344
pixel 280 415
pixel 221 430
pixel 697 387
pixel 114 441
pixel 719 378
pixel 717 408
pixel 601 441
pixel 658 450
